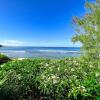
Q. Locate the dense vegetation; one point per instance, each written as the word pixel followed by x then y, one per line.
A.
pixel 58 79
pixel 3 58
pixel 88 30
pixel 45 79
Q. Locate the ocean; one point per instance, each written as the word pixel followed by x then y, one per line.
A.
pixel 44 52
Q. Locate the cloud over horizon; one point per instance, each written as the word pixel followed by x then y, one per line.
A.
pixel 40 43
pixel 12 43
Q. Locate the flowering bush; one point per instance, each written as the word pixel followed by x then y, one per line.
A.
pixel 64 79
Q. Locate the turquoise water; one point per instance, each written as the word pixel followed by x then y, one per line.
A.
pixel 46 52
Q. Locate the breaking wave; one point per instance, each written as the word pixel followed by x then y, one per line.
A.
pixel 56 51
pixel 12 51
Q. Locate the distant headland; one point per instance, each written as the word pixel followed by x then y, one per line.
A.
pixel 1 45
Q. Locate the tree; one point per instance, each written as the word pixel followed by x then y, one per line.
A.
pixel 88 30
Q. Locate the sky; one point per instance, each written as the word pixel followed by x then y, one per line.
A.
pixel 38 22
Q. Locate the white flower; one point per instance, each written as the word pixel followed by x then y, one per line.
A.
pixel 77 63
pixel 74 61
pixel 97 74
pixel 72 69
pixel 2 65
pixel 66 69
pixel 91 66
pixel 53 76
pixel 74 76
pixel 46 64
pixel 58 69
pixel 21 58
pixel 41 63
pixel 55 81
pixel 82 89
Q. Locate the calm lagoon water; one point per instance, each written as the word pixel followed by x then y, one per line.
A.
pixel 46 52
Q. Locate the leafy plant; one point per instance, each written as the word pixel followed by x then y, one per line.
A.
pixel 3 58
pixel 70 79
pixel 88 31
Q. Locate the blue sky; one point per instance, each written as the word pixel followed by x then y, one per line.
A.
pixel 38 22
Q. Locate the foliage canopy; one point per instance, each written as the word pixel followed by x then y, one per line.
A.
pixel 88 30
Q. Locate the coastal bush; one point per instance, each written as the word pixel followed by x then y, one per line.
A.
pixel 88 30
pixel 3 58
pixel 45 79
pixel 18 78
pixel 88 34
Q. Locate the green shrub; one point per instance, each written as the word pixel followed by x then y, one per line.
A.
pixel 68 80
pixel 65 79
pixel 18 78
pixel 3 58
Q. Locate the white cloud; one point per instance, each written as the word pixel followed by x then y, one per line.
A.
pixel 39 43
pixel 12 43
